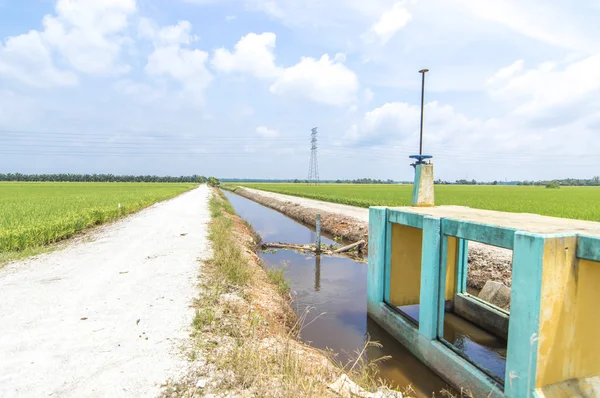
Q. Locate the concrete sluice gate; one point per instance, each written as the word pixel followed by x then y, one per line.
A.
pixel 548 345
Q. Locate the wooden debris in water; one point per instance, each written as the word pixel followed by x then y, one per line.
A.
pixel 327 250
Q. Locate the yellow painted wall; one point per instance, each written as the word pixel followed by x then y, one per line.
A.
pixel 405 265
pixel 451 267
pixel 569 345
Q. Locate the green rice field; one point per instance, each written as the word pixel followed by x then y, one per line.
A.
pixel 567 202
pixel 36 214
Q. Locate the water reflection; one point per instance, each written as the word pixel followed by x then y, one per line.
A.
pixel 481 347
pixel 317 273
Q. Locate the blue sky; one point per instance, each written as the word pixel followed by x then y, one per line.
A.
pixel 232 88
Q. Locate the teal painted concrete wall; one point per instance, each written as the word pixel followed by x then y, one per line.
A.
pixel 430 278
pixel 378 245
pixel 524 323
pixel 423 341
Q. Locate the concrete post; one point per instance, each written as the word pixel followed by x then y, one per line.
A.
pixel 423 186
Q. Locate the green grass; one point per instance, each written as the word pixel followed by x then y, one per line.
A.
pixel 568 202
pixel 33 215
pixel 277 277
pixel 228 258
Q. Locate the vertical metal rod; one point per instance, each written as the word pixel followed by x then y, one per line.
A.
pixel 318 243
pixel 422 72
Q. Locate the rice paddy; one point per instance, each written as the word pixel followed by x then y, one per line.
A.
pixel 37 214
pixel 567 202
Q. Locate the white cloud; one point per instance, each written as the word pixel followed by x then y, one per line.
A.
pixel 550 22
pixel 369 95
pixel 459 142
pixel 390 22
pixel 270 7
pixel 325 80
pixel 230 17
pixel 548 87
pixel 167 35
pixel 333 13
pixel 28 59
pixel 252 54
pixel 507 72
pixel 446 131
pixel 88 34
pixel 266 132
pixel 186 66
pixel 391 120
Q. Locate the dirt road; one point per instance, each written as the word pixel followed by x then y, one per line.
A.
pixel 106 316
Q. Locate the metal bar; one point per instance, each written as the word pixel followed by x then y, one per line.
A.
pixel 422 72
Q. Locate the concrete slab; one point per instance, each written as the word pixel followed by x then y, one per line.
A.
pixel 526 222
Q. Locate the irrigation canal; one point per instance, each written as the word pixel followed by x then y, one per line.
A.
pixel 334 289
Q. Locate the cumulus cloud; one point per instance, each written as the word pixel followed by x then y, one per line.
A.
pixel 266 132
pixel 252 54
pixel 325 80
pixel 88 34
pixel 445 128
pixel 390 22
pixel 28 59
pixel 187 66
pixel 548 87
pixel 166 35
pixel 542 21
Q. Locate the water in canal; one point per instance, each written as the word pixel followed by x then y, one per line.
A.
pixel 335 291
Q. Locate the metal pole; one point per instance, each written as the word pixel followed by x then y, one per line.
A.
pixel 422 72
pixel 318 243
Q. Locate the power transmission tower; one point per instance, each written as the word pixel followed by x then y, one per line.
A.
pixel 313 168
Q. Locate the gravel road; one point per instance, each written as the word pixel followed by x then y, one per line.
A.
pixel 106 316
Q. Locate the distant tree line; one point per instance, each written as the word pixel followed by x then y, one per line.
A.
pixel 592 182
pixel 105 178
pixel 355 181
pixel 301 181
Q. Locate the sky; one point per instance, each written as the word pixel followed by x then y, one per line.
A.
pixel 232 88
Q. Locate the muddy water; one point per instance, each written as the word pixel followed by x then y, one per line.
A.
pixel 334 292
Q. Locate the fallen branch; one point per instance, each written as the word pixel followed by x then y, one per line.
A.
pixel 291 246
pixel 350 247
pixel 311 248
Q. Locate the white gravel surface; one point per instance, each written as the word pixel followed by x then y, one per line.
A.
pixel 106 316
